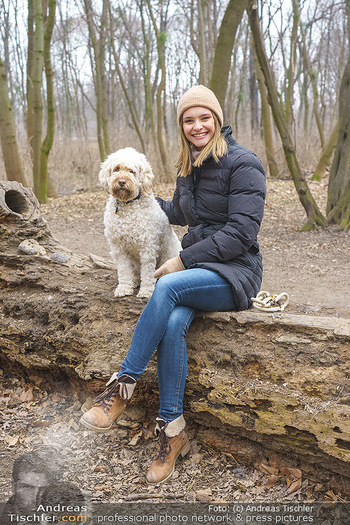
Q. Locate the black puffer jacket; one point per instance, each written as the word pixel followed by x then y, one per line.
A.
pixel 223 205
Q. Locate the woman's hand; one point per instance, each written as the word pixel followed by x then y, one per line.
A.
pixel 170 266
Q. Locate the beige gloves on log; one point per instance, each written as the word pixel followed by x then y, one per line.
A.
pixel 170 266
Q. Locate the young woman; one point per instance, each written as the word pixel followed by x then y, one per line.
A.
pixel 220 193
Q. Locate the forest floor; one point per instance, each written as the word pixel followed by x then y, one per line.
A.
pixel 312 267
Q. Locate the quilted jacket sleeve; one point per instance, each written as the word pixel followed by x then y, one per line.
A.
pixel 245 212
pixel 172 209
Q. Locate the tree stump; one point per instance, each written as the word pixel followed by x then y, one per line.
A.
pixel 58 309
pixel 269 381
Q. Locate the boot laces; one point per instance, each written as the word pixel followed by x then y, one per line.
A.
pixel 164 445
pixel 107 397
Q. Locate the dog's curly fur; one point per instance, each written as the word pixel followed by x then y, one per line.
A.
pixel 138 231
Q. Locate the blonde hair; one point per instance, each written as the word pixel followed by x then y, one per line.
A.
pixel 217 147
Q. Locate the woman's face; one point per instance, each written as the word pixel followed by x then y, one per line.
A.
pixel 198 125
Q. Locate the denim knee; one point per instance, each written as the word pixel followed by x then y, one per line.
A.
pixel 164 286
pixel 177 324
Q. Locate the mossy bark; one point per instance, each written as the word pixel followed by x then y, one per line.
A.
pixel 340 214
pixel 326 154
pixel 339 178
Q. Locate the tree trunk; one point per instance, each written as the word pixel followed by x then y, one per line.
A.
pixel 247 376
pixel 97 58
pixel 304 101
pixel 339 178
pixel 50 126
pixel 36 79
pixel 242 78
pixel 315 217
pixel 9 146
pixel 223 50
pixel 291 69
pixel 30 54
pixel 253 94
pixel 161 38
pixel 266 121
pixel 312 76
pixel 201 41
pixel 326 154
pixel 199 36
pixel 101 60
pixel 149 107
pixel 340 213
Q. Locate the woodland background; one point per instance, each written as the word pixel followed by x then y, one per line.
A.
pixel 81 79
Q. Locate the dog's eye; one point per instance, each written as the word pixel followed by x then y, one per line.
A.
pixel 116 168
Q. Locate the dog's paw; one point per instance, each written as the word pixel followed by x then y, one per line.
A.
pixel 145 293
pixel 122 291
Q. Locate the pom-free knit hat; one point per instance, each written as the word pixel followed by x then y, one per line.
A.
pixel 200 96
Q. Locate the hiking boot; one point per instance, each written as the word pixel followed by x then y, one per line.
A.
pixel 109 406
pixel 173 441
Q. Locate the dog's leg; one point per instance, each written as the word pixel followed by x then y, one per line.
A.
pixel 147 269
pixel 170 245
pixel 126 275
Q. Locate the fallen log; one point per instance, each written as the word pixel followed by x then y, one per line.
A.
pixel 276 381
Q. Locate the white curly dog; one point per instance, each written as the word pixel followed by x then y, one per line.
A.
pixel 138 231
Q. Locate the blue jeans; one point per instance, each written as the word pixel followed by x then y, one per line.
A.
pixel 163 326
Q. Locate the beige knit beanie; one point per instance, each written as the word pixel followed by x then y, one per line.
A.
pixel 200 96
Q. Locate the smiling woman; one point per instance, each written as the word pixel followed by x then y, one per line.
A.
pixel 220 192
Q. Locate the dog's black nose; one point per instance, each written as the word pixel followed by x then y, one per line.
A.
pixel 121 183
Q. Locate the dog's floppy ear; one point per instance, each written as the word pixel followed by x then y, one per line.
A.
pixel 104 174
pixel 146 178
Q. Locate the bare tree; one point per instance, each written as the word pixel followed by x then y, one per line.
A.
pixel 292 63
pixel 35 78
pixel 161 39
pixel 312 76
pixel 12 159
pixel 44 181
pixel 97 44
pixel 266 121
pixel 315 217
pixel 29 91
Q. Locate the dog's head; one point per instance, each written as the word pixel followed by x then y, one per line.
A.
pixel 126 174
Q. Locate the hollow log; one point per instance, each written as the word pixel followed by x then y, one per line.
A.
pixel 273 381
